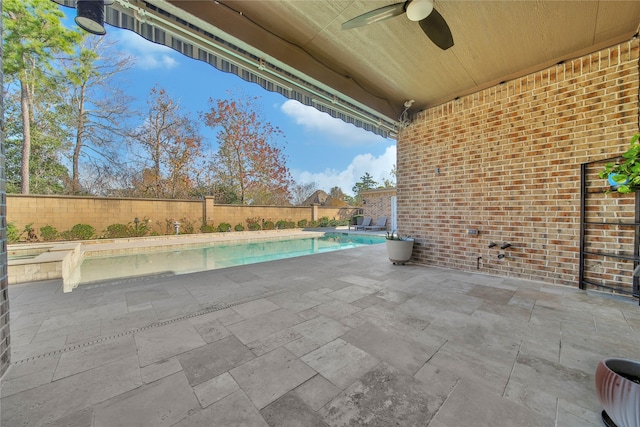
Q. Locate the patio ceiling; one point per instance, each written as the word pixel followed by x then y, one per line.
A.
pixel 369 72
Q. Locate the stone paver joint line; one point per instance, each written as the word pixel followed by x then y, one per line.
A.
pixel 513 368
pixel 143 328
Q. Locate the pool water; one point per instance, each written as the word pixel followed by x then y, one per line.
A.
pixel 222 255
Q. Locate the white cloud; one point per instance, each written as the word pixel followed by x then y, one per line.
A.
pixel 378 167
pixel 314 121
pixel 148 55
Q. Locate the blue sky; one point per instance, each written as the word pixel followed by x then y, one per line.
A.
pixel 319 148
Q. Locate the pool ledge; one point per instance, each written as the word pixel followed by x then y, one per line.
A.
pixel 52 261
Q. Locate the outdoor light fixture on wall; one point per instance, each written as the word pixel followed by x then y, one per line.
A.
pixel 90 15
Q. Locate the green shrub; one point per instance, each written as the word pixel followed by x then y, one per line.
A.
pixel 281 225
pixel 205 228
pixel 253 224
pixel 141 229
pixel 79 232
pixel 224 227
pixel 324 221
pixel 291 224
pixel 31 233
pixel 187 226
pixel 336 222
pixel 48 233
pixel 302 223
pixel 13 234
pixel 117 231
pixel 239 227
pixel 268 225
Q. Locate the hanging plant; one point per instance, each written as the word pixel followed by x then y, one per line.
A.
pixel 624 176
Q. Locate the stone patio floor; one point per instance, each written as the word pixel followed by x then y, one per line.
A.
pixel 335 339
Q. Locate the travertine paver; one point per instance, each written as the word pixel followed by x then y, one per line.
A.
pixel 263 325
pixel 234 410
pixel 155 344
pixel 255 308
pixel 160 403
pixel 340 362
pixel 328 340
pixel 321 329
pixel 470 404
pixel 215 389
pixel 208 361
pixel 384 397
pixel 291 411
pixel 88 357
pixel 407 355
pixel 48 402
pixel 268 377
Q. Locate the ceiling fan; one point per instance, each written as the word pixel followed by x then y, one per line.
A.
pixel 431 22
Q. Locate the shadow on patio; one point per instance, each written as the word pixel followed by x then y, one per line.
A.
pixel 342 338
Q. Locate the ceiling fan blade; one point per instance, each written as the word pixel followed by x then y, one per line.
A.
pixel 376 15
pixel 436 28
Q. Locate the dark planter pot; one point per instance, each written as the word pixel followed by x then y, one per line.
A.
pixel 618 388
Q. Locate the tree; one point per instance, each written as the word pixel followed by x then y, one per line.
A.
pixel 168 146
pixel 99 107
pixel 301 192
pixel 249 159
pixel 366 183
pixel 390 182
pixel 336 197
pixel 47 174
pixel 33 35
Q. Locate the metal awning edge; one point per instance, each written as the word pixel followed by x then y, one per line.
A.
pixel 159 25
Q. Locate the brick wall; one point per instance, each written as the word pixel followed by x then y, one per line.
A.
pixel 63 212
pixel 509 160
pixel 5 341
pixel 378 204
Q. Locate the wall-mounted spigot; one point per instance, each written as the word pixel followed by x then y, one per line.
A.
pixel 505 245
pixel 493 244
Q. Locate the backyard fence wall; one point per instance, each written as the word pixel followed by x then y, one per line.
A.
pixel 63 212
pixel 506 162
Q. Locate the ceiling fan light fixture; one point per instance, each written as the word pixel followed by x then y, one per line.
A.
pixel 417 10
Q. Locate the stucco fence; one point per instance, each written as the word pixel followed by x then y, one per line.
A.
pixel 63 212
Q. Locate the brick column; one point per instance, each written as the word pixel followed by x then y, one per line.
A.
pixel 315 212
pixel 5 348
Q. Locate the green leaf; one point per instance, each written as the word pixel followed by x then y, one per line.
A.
pixel 624 189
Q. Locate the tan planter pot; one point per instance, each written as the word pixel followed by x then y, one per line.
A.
pixel 399 251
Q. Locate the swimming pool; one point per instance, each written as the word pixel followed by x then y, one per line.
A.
pixel 219 255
